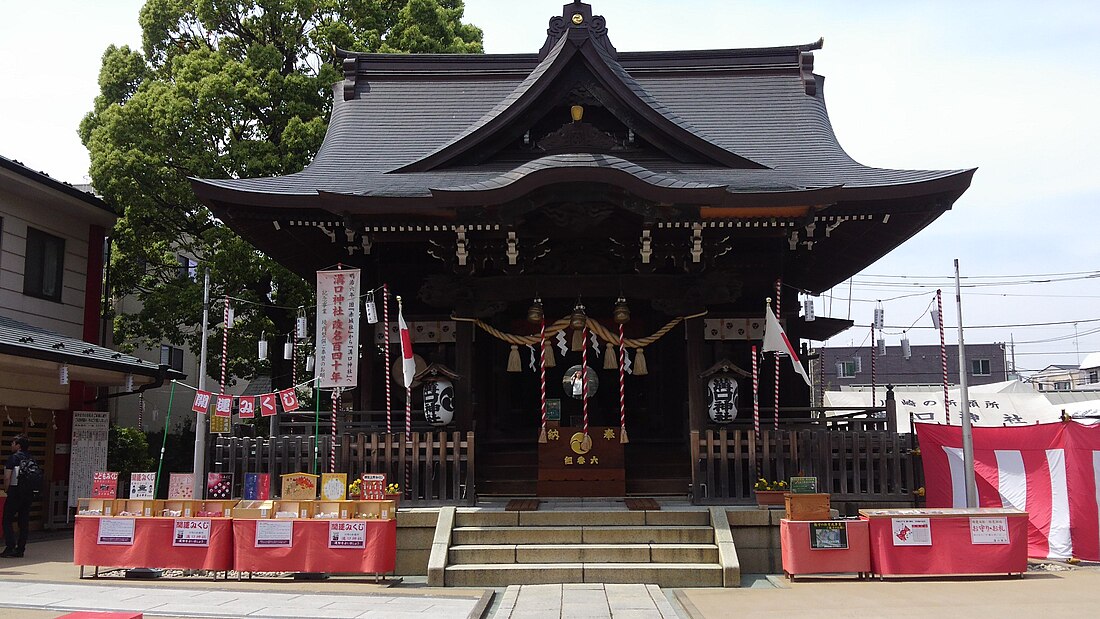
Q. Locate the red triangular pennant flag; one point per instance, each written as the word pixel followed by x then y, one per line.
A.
pixel 223 406
pixel 246 407
pixel 267 404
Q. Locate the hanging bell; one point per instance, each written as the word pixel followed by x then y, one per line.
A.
pixel 578 320
pixel 621 312
pixel 535 313
pixel 371 308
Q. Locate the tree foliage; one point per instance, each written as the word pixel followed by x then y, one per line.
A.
pixel 227 89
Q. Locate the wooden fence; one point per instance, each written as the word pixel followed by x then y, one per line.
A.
pixel 440 465
pixel 851 466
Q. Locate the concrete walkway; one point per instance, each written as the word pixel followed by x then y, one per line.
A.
pixel 595 601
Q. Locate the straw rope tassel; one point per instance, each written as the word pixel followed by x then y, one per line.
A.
pixel 332 452
pixel 640 368
pixel 580 340
pixel 386 356
pixel 515 364
pixel 584 379
pixel 547 351
pixel 542 377
pixel 943 358
pixel 622 385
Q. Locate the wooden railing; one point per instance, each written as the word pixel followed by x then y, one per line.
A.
pixel 439 465
pixel 852 466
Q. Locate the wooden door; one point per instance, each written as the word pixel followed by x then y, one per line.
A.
pixel 37 425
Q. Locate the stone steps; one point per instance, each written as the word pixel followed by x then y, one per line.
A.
pixel 670 548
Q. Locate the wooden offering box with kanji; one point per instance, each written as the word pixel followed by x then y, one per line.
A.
pixel 571 466
pixel 299 486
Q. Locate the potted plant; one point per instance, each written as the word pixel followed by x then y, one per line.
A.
pixel 393 493
pixel 769 492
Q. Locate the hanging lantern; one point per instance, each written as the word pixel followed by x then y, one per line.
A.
pixel 439 400
pixel 129 383
pixel 621 312
pixel 301 330
pixel 722 397
pixel 371 308
pixel 808 309
pixel 63 374
pixel 880 315
pixel 936 319
pixel 261 347
pixel 535 313
pixel 288 349
pixel 573 386
pixel 882 347
pixel 906 350
pixel 229 315
pixel 310 361
pixel 578 319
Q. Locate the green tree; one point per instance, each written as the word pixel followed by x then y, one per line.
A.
pixel 224 89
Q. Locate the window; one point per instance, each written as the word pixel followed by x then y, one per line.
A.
pixel 45 265
pixel 1094 377
pixel 188 268
pixel 1061 386
pixel 848 369
pixel 172 357
pixel 979 367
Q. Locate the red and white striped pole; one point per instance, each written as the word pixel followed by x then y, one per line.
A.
pixel 778 301
pixel 622 387
pixel 225 343
pixel 408 438
pixel 332 452
pixel 386 356
pixel 584 378
pixel 943 357
pixel 755 399
pixel 542 377
pixel 874 374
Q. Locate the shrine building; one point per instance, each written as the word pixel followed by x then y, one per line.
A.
pixel 670 192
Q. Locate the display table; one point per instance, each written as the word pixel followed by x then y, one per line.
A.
pixel 309 550
pixel 947 541
pixel 805 554
pixel 152 546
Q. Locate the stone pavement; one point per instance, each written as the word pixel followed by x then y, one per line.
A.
pixel 584 600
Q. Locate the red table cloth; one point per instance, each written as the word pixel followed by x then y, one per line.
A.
pixel 153 547
pixel 309 551
pixel 799 558
pixel 952 550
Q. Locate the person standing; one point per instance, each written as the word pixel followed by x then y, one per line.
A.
pixel 18 506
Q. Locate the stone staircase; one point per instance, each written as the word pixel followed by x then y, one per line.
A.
pixel 669 548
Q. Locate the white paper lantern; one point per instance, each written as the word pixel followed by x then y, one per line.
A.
pixel 439 400
pixel 63 374
pixel 881 347
pixel 261 350
pixel 722 398
pixel 371 309
pixel 301 330
pixel 310 361
pixel 906 350
pixel 288 350
pixel 808 309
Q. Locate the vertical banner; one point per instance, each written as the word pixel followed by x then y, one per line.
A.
pixel 337 328
pixel 89 452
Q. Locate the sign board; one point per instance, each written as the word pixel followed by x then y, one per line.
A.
pixel 191 533
pixel 989 530
pixel 181 486
pixel 221 425
pixel 88 452
pixel 274 533
pixel 347 534
pixel 803 485
pixel 105 485
pixel 337 328
pixel 911 531
pixel 372 486
pixel 143 485
pixel 219 486
pixel 116 532
pixel 830 535
pixel 553 409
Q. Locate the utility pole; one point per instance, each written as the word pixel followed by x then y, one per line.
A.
pixel 201 419
pixel 964 405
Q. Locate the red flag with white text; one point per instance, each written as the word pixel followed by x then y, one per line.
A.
pixel 202 402
pixel 267 404
pixel 289 400
pixel 246 407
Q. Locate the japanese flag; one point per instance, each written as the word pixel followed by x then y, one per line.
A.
pixel 223 406
pixel 267 404
pixel 246 407
pixel 289 399
pixel 202 402
pixel 775 340
pixel 408 364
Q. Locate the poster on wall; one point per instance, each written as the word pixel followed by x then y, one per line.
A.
pixel 88 453
pixel 219 486
pixel 181 486
pixel 257 486
pixel 911 531
pixel 191 533
pixel 347 534
pixel 337 328
pixel 116 532
pixel 274 533
pixel 831 535
pixel 105 485
pixel 143 485
pixel 989 530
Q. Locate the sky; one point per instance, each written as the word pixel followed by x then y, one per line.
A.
pixel 1006 87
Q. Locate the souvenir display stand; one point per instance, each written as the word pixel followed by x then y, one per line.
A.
pixel 151 545
pixel 947 541
pixel 310 548
pixel 825 547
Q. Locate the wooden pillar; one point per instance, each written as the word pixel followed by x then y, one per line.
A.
pixel 464 366
pixel 695 349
